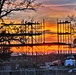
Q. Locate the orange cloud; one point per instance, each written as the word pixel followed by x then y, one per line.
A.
pixel 48 12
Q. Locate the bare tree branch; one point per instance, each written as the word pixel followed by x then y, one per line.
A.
pixel 17 9
pixel 7 6
pixel 1 5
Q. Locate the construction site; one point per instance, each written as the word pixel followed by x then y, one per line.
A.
pixel 34 33
pixel 30 35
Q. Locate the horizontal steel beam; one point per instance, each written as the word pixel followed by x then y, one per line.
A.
pixel 36 44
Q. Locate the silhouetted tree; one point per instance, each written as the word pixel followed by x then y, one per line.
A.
pixel 8 6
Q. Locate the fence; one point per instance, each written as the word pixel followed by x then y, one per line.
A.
pixel 36 72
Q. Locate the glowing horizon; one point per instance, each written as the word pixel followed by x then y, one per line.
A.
pixel 50 11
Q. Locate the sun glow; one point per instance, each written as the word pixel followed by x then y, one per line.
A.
pixel 50 12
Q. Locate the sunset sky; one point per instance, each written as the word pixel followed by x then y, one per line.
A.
pixel 50 10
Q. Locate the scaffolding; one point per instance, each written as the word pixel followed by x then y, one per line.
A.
pixel 21 34
pixel 66 35
pixel 33 34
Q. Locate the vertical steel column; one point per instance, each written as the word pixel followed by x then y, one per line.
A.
pixel 44 34
pixel 32 37
pixel 58 34
pixel 70 39
pixel 44 29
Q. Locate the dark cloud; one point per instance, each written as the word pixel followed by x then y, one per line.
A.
pixel 59 1
pixel 68 6
pixel 48 32
pixel 63 4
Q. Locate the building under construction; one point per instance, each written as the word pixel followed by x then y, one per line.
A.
pixel 22 34
pixel 30 34
pixel 66 34
pixel 33 34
